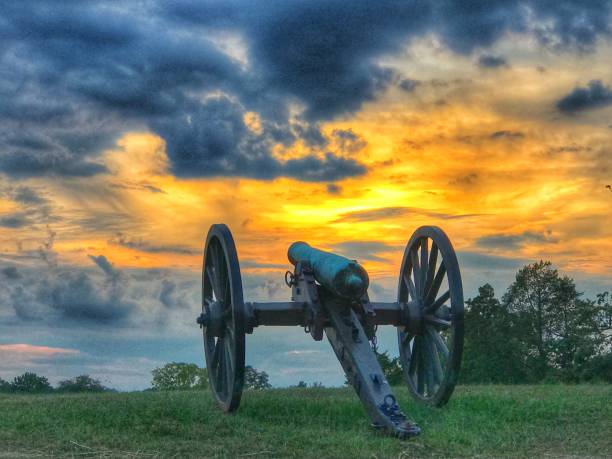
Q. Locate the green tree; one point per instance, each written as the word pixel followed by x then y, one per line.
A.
pixel 31 382
pixel 179 376
pixel 391 367
pixel 555 325
pixel 492 352
pixel 603 318
pixel 82 383
pixel 256 380
pixel 5 386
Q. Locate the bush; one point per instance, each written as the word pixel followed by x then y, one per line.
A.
pixel 82 383
pixel 32 383
pixel 179 376
pixel 5 386
pixel 256 380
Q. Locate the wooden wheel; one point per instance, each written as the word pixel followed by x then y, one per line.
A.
pixel 431 342
pixel 223 317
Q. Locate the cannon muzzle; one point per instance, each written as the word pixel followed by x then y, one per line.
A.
pixel 342 276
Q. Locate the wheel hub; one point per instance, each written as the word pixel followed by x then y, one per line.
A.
pixel 413 318
pixel 213 318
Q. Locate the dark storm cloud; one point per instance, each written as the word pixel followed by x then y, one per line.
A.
pixel 409 85
pixel 595 95
pixel 102 262
pixel 510 135
pixel 511 241
pixel 364 250
pixel 14 220
pixel 11 272
pixel 145 246
pixel 333 188
pixel 65 295
pixel 75 75
pixel 482 261
pixel 395 212
pixel 491 62
pixel 27 195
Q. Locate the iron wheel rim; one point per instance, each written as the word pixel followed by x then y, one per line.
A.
pixel 221 281
pixel 431 360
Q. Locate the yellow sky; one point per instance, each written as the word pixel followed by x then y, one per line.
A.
pixel 433 157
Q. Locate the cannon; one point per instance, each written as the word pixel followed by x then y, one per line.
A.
pixel 329 297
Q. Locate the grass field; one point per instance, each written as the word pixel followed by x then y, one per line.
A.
pixel 485 421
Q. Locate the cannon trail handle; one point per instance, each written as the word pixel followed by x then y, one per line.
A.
pixel 349 341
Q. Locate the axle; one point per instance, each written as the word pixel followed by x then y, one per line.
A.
pixel 295 313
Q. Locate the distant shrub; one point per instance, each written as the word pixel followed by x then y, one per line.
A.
pixel 31 382
pixel 179 376
pixel 82 383
pixel 255 379
pixel 5 386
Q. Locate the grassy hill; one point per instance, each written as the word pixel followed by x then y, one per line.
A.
pixel 501 421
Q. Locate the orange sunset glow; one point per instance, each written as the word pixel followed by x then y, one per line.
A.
pixel 486 137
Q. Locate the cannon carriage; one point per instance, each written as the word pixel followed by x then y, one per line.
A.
pixel 329 297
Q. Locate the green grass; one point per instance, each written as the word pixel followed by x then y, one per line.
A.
pixel 485 421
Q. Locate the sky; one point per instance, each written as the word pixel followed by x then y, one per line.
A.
pixel 128 128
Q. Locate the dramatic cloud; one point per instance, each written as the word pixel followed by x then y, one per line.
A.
pixel 332 188
pixel 491 62
pixel 595 95
pixel 145 246
pixel 110 297
pixel 408 84
pixel 510 135
pixel 365 250
pixel 76 76
pixel 511 241
pixel 396 212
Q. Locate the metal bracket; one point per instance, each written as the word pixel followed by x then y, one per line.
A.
pixel 305 290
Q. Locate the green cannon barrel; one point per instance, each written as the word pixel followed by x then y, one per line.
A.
pixel 342 276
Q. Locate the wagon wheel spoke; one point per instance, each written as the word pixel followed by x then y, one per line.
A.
pixel 434 320
pixel 416 272
pixel 414 355
pixel 428 370
pixel 229 348
pixel 228 364
pixel 216 357
pixel 424 265
pixel 224 290
pixel 438 341
pixel 420 371
pixel 436 366
pixel 431 266
pixel 213 268
pixel 209 270
pixel 435 286
pixel 222 373
pixel 406 339
pixel 411 287
pixel 439 302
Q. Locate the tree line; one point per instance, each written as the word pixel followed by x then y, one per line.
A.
pixel 188 376
pixel 32 383
pixel 172 376
pixel 541 330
